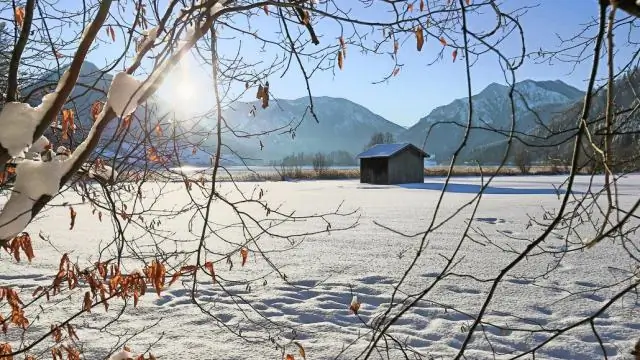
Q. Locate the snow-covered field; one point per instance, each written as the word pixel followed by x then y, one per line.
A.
pixel 324 272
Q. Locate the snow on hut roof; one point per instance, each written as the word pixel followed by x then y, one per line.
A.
pixel 387 150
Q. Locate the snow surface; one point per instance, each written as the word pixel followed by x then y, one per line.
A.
pixel 122 355
pixel 326 271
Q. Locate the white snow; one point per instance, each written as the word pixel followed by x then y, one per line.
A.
pixel 122 355
pixel 326 272
pixel 40 145
pixel 33 179
pixel 121 96
pixel 19 120
pixel 104 172
pixel 215 8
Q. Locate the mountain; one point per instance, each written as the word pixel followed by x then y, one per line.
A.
pixel 535 104
pixel 342 126
pixel 554 142
pixel 285 127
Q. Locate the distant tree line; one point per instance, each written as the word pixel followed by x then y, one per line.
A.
pixel 334 158
pixel 380 138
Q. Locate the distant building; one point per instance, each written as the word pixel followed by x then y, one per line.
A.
pixel 392 164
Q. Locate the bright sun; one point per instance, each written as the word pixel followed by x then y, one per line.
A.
pixel 182 92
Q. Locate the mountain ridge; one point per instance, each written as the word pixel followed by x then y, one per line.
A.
pixel 345 125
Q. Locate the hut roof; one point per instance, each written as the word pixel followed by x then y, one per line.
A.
pixel 388 150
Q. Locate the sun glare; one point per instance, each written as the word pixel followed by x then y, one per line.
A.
pixel 183 92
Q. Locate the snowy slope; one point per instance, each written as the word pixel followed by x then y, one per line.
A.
pixel 342 125
pixel 325 271
pixel 492 110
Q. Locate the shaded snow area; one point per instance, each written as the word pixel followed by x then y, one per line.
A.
pixel 325 272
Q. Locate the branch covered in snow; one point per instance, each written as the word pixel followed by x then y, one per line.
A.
pixel 51 106
pixel 125 94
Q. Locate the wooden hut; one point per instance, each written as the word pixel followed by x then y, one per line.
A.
pixel 387 164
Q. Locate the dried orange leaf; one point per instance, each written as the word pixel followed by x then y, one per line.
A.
pixel 72 215
pixel 396 46
pixel 289 357
pixel 265 95
pixel 410 7
pixel 96 109
pixel 421 5
pixel 87 302
pixel 395 71
pixel 443 41
pixel 209 266
pixel 19 15
pixel 419 38
pixel 260 92
pixel 355 305
pixel 244 253
pixel 266 9
pixel 340 61
pixel 454 54
pixel 174 278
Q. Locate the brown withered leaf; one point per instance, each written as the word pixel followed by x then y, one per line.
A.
pixel 340 61
pixel 111 33
pixel 421 5
pixel 396 46
pixel 175 277
pixel 355 305
pixel 454 54
pixel 301 350
pixel 72 332
pixel 5 349
pixel 265 8
pixel 395 71
pixel 87 302
pixel 244 253
pixel 72 215
pixel 419 38
pixel 260 92
pixel 19 15
pixel 96 108
pixel 289 357
pixel 265 95
pixel 443 41
pixel 209 266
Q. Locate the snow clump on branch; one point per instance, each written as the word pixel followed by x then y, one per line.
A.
pixel 18 121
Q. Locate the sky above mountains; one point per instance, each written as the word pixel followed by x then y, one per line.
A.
pixel 420 85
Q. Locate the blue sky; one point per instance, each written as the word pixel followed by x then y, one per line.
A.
pixel 419 87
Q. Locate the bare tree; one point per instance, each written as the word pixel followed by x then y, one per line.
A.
pixel 522 159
